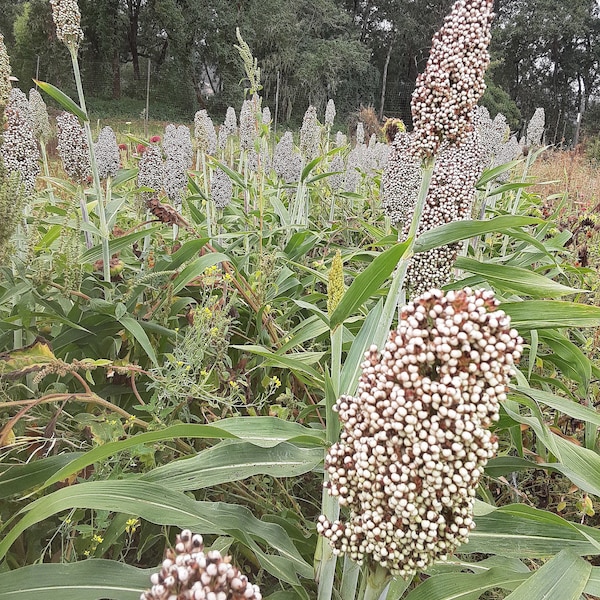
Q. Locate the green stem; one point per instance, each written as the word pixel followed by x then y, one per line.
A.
pixel 426 174
pixel 377 580
pixel 100 207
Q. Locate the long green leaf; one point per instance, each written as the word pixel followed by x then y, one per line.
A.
pixel 295 362
pixel 466 586
pixel 462 230
pixel 197 267
pixel 550 314
pixel 367 282
pixel 515 279
pixel 232 461
pixel 520 531
pixel 94 579
pixel 137 331
pixel 564 577
pixel 563 405
pixel 163 506
pixel 265 432
pixel 64 100
pixel 118 244
pixel 15 479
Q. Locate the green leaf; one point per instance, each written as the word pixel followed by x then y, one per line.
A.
pixel 140 335
pixel 514 279
pixel 577 365
pixel 551 314
pixel 196 268
pixel 296 362
pixel 462 230
pixel 118 244
pixel 15 479
pixel 466 586
pixel 93 579
pixel 265 432
pixel 185 253
pixel 163 506
pixel 491 174
pixel 356 355
pixel 367 282
pixel 520 531
pixel 25 360
pixel 234 460
pixel 564 577
pixel 502 465
pixel 64 100
pixel 310 166
pixel 563 405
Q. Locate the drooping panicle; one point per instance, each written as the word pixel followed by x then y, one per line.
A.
pixel 310 134
pixel 451 85
pixel 5 85
pixel 204 133
pixel 39 115
pixel 221 188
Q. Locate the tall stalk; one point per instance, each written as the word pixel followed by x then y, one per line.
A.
pixel 100 206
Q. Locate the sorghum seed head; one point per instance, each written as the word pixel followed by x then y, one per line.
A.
pixel 39 116
pixel 106 149
pixel 409 486
pixel 72 146
pixel 67 19
pixel 188 573
pixel 451 85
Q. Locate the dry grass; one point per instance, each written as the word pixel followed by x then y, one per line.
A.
pixel 570 174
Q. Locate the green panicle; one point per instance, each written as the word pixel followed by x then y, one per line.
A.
pixel 335 283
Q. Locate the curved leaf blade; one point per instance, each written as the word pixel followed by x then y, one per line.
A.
pixel 462 230
pixel 163 506
pixel 515 279
pixel 93 579
pixel 232 461
pixel 564 577
pixel 367 282
pixel 64 100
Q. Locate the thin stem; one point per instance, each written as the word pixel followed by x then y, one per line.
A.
pixel 100 208
pixel 426 175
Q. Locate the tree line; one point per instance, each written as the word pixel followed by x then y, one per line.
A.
pixel 545 53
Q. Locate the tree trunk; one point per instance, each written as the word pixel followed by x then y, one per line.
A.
pixel 116 71
pixel 384 82
pixel 579 114
pixel 132 35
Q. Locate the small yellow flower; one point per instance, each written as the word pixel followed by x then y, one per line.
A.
pixel 227 277
pixel 97 538
pixel 207 311
pixel 86 552
pixel 275 381
pixel 214 331
pixel 131 525
pixel 204 373
pixel 234 385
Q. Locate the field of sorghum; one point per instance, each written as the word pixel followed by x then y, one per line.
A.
pixel 198 377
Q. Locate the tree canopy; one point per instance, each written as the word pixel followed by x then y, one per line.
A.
pixel 545 53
